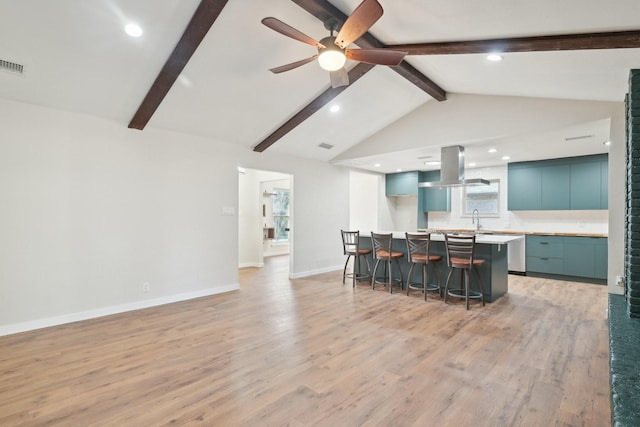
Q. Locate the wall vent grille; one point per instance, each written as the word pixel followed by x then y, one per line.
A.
pixel 11 67
pixel 575 138
pixel 325 146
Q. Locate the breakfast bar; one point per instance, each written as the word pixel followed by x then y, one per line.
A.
pixel 492 248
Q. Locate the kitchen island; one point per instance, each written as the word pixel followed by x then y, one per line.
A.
pixel 492 248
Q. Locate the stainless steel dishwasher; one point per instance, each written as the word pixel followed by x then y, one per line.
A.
pixel 516 256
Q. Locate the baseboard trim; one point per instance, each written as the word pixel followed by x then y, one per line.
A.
pixel 314 272
pixel 106 311
pixel 251 264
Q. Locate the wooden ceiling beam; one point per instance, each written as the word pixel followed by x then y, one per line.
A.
pixel 200 23
pixel 323 10
pixel 354 74
pixel 608 40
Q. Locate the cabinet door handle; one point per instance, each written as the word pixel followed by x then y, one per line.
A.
pixel 544 259
pixel 544 243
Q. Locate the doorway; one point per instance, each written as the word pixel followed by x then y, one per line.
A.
pixel 265 216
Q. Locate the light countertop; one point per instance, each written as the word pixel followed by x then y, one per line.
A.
pixel 489 239
pixel 510 232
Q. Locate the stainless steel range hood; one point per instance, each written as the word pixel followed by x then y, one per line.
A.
pixel 452 170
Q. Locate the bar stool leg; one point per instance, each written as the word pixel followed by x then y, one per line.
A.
pixel 425 280
pixel 409 276
pixel 344 271
pixel 446 287
pixel 466 287
pixel 373 276
pixel 481 284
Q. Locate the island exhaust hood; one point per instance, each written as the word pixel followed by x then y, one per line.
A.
pixel 452 170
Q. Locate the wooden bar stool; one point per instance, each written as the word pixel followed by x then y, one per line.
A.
pixel 382 251
pixel 351 247
pixel 460 251
pixel 419 252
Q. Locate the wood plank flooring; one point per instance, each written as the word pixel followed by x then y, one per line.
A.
pixel 314 352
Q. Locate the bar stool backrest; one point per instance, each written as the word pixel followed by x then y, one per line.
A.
pixel 350 241
pixel 418 244
pixel 460 249
pixel 381 244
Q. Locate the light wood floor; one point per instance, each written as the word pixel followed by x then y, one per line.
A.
pixel 315 352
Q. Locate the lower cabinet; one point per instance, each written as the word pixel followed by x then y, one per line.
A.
pixel 567 256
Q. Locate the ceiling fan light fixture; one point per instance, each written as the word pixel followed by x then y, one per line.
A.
pixel 330 56
pixel 332 60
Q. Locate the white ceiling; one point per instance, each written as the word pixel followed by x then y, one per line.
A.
pixel 78 58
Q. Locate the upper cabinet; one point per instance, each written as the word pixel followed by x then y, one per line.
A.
pixel 401 184
pixel 572 183
pixel 433 199
pixel 525 178
pixel 586 186
pixel 556 187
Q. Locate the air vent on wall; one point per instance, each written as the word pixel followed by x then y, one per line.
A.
pixel 574 138
pixel 325 146
pixel 11 67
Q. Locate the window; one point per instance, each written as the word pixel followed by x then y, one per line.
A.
pixel 281 215
pixel 484 198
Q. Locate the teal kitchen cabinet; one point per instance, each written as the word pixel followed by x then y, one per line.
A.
pixel 573 183
pixel 433 199
pixel 524 188
pixel 401 184
pixel 586 185
pixel 602 261
pixel 544 254
pixel 576 256
pixel 556 187
pixel 579 257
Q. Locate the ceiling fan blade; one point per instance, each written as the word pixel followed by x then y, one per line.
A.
pixel 287 67
pixel 365 15
pixel 339 78
pixel 376 56
pixel 287 30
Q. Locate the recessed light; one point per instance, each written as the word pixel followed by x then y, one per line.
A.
pixel 505 157
pixel 472 164
pixel 133 29
pixel 398 170
pixel 376 165
pixel 432 163
pixel 607 143
pixel 494 57
pixel 334 108
pixel 492 150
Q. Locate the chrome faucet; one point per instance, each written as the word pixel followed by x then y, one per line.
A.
pixel 475 219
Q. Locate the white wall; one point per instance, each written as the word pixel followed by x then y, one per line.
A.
pixel 249 220
pixel 364 194
pixel 91 210
pixel 617 194
pixel 404 213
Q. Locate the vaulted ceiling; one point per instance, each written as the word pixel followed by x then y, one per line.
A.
pixel 77 57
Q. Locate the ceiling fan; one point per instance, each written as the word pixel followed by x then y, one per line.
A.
pixel 332 50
